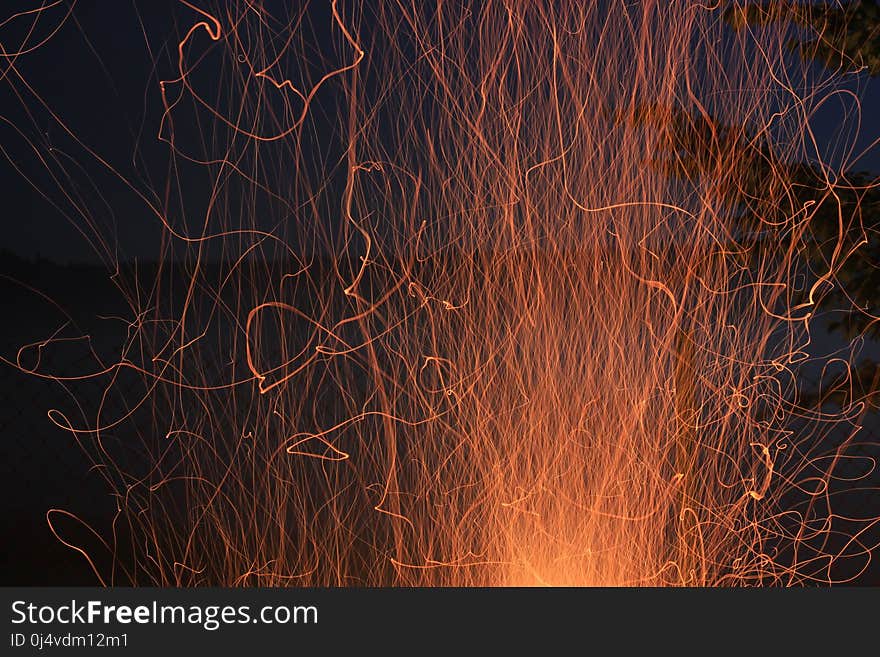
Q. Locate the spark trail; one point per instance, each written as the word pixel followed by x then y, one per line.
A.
pixel 480 294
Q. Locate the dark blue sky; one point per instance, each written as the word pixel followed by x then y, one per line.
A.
pixel 100 74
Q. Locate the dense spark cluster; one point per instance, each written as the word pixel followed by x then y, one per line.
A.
pixel 489 293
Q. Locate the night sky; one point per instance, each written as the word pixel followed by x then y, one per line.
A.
pixel 99 73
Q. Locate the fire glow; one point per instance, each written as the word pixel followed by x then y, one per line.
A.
pixel 485 294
